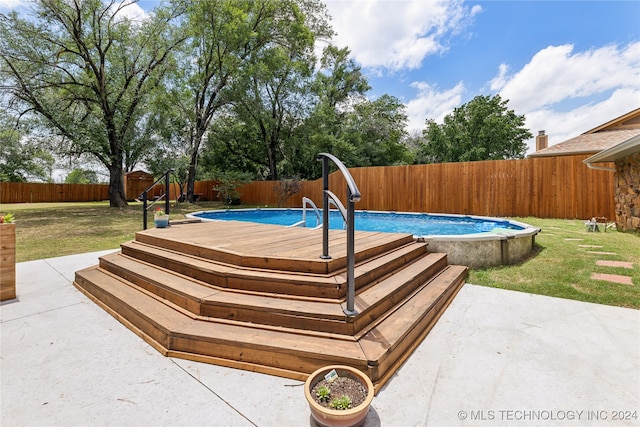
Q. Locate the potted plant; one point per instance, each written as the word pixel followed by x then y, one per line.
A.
pixel 339 396
pixel 7 257
pixel 160 218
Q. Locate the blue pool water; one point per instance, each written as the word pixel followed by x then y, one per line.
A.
pixel 417 224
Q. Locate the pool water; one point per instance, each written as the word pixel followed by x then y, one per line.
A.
pixel 418 224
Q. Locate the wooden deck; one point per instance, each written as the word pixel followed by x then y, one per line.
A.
pixel 259 297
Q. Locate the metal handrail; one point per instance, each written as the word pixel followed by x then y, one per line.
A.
pixel 145 197
pixel 353 195
pixel 305 201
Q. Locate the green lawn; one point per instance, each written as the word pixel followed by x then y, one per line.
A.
pixel 561 267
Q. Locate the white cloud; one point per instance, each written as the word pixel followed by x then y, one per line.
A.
pixel 130 11
pixel 8 4
pixel 430 103
pixel 562 92
pixel 599 85
pixel 396 35
pixel 556 73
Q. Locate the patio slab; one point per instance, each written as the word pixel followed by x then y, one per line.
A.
pixel 495 357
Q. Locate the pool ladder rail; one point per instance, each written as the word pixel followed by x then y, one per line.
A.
pixel 333 200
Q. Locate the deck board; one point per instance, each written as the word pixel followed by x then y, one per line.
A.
pixel 269 246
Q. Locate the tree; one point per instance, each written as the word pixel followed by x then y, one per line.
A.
pixel 223 37
pixel 86 70
pixel 23 159
pixel 482 129
pixel 376 129
pixel 82 176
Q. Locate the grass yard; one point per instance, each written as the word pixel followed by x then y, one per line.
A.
pixel 47 230
pixel 564 261
pixel 561 266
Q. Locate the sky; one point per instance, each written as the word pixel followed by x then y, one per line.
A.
pixel 567 66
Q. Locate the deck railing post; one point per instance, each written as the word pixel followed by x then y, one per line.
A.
pixel 353 195
pixel 144 209
pixel 145 197
pixel 351 256
pixel 166 192
pixel 325 208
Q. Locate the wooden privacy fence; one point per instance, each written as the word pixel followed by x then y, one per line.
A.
pixel 33 192
pixel 543 187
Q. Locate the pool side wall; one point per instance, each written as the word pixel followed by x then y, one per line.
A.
pixel 486 250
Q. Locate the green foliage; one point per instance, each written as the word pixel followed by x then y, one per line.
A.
pixel 81 176
pixel 86 71
pixel 482 129
pixel 7 218
pixel 228 183
pixel 340 403
pixel 323 393
pixel 23 159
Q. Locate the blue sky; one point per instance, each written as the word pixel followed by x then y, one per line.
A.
pixel 568 66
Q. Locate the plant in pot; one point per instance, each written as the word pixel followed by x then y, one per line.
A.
pixel 339 396
pixel 160 219
pixel 7 257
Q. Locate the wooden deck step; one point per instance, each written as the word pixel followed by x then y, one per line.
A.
pixel 253 245
pixel 280 351
pixel 226 275
pixel 170 330
pixel 392 340
pixel 324 315
pixel 259 297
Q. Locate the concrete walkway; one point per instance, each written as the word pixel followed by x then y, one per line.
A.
pixel 495 358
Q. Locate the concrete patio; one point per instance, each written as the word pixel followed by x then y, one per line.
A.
pixel 495 358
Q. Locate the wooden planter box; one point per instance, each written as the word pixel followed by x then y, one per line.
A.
pixel 7 261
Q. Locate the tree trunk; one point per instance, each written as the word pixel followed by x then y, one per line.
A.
pixel 117 197
pixel 191 178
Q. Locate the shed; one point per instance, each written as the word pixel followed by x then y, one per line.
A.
pixel 135 183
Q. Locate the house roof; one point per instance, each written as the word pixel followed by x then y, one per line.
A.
pixel 600 138
pixel 614 153
pixel 588 143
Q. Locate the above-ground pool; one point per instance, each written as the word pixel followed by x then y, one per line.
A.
pixel 473 241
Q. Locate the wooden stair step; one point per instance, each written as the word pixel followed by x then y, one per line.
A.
pixel 228 276
pixel 240 244
pixel 172 330
pixel 268 281
pixel 373 302
pixel 393 339
pixel 273 309
pixel 205 300
pixel 259 298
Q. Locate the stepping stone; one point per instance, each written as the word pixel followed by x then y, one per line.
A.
pixel 573 240
pixel 589 246
pixel 601 253
pixel 614 278
pixel 622 264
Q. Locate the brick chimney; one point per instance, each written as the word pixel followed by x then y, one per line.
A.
pixel 542 141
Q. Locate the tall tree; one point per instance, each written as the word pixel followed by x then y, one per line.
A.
pixel 224 39
pixel 482 129
pixel 87 71
pixel 376 130
pixel 22 159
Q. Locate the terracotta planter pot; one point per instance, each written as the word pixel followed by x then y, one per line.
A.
pixel 7 261
pixel 328 417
